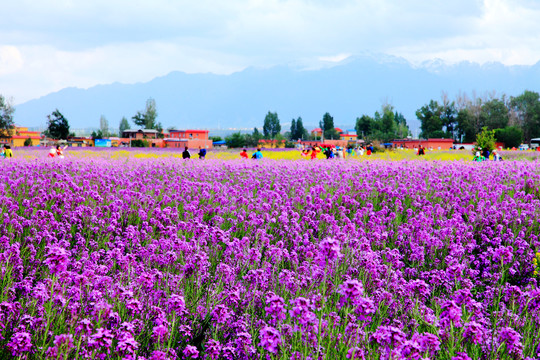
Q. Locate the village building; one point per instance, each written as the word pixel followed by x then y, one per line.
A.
pixel 19 135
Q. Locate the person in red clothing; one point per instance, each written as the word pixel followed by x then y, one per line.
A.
pixel 244 154
pixel 314 152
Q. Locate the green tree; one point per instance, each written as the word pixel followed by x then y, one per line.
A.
pixel 28 142
pixel 271 125
pixel 293 129
pixel 527 109
pixel 328 128
pixel 124 125
pixel 235 140
pixel 511 136
pixel 215 138
pixel 486 139
pixel 365 126
pixel 57 126
pixel 430 120
pixel 301 131
pixel 465 128
pixel 6 118
pixel 494 114
pixel 147 119
pixel 97 134
pixel 297 129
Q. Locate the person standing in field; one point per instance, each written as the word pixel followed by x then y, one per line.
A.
pixel 244 154
pixel 186 154
pixel 257 155
pixel 202 153
pixel 314 152
pixel 8 153
pixel 60 151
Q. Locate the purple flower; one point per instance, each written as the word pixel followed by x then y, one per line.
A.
pixel 461 356
pixel 102 338
pixel 512 340
pixel 270 339
pixel 20 343
pixel 213 349
pixel 160 333
pixel 351 289
pixel 191 352
pixel 57 259
pixel 275 307
pixel 474 333
pixel 127 344
pixel 330 249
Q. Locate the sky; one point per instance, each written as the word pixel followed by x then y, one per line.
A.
pixel 48 45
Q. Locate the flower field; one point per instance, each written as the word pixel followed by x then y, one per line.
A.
pixel 152 257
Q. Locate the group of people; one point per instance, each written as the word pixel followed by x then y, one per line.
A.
pixel 335 152
pixel 257 155
pixel 187 155
pixel 57 152
pixel 6 152
pixel 484 154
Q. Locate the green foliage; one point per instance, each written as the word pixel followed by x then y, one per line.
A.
pixel 57 126
pixel 364 126
pixel 297 130
pixel 6 118
pixel 215 138
pixel 124 125
pixel 147 119
pixel 28 142
pixel 139 143
pixel 511 136
pixel 235 140
pixel 527 109
pixel 97 134
pixel 385 126
pixel 430 119
pixel 466 131
pixel 486 139
pixel 327 126
pixel 271 125
pixel 494 114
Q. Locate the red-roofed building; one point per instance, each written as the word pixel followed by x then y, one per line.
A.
pixel 20 134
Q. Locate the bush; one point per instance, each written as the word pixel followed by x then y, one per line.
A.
pixel 511 136
pixel 139 143
pixel 28 142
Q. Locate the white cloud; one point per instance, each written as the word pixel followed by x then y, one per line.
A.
pixel 51 44
pixel 10 60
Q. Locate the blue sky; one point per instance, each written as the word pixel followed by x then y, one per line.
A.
pixel 48 45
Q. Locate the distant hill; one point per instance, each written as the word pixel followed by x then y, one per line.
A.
pixel 347 90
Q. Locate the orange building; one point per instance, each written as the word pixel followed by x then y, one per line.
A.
pixel 190 138
pixel 19 134
pixel 348 137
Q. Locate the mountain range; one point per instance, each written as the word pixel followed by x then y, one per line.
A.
pixel 347 90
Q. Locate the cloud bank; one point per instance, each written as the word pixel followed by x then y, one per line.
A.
pixel 52 44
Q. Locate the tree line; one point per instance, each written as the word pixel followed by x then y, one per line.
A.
pixel 514 119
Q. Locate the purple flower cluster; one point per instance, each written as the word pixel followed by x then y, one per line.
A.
pixel 163 259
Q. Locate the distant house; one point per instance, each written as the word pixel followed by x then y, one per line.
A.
pixel 19 134
pixel 190 138
pixel 140 134
pixel 436 144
